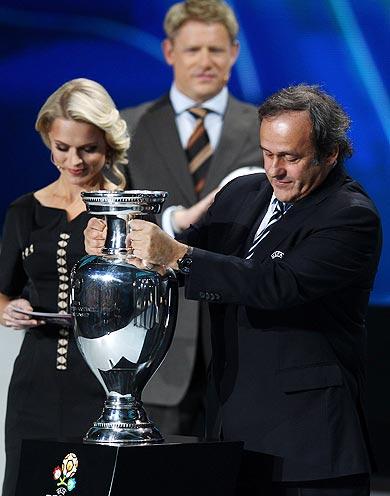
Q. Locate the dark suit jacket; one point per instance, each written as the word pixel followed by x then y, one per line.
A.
pixel 288 325
pixel 157 161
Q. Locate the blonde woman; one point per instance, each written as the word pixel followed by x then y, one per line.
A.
pixel 52 393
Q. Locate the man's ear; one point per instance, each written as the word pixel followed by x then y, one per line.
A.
pixel 332 157
pixel 235 50
pixel 167 50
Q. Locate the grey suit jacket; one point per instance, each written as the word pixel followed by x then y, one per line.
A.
pixel 157 161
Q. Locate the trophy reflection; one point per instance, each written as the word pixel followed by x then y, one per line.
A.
pixel 124 318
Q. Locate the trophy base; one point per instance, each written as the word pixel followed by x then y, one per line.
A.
pixel 123 422
pixel 122 434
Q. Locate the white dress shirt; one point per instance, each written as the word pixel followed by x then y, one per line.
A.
pixel 268 215
pixel 185 123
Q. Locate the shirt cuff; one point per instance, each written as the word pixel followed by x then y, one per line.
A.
pixel 167 222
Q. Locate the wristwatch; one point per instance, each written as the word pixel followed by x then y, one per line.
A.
pixel 184 263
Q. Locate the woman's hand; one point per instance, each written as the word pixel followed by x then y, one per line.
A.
pixel 17 320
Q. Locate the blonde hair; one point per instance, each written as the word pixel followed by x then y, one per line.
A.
pixel 85 100
pixel 208 11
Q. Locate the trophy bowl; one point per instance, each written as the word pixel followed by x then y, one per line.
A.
pixel 124 318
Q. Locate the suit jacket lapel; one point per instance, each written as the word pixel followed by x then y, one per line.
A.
pixel 297 214
pixel 161 116
pixel 247 215
pixel 231 142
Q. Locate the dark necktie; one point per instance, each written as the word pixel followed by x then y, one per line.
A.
pixel 280 209
pixel 198 149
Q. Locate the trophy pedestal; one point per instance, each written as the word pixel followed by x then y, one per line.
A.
pixel 179 466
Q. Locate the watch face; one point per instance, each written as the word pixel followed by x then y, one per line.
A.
pixel 184 264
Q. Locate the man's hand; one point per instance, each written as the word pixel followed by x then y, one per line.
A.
pixel 184 217
pixel 153 245
pixel 141 264
pixel 95 236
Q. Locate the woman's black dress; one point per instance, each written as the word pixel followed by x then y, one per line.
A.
pixel 52 393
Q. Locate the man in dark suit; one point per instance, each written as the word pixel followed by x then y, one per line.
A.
pixel 201 47
pixel 286 262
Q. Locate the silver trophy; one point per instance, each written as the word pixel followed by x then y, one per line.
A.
pixel 124 318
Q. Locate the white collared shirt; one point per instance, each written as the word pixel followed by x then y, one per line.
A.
pixel 185 122
pixel 268 214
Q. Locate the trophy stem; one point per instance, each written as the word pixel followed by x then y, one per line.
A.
pixel 123 421
pixel 117 230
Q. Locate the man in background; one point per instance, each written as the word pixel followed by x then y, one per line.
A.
pixel 186 143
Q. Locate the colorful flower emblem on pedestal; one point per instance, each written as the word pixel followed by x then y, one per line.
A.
pixel 65 474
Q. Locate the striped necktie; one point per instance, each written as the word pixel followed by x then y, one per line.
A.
pixel 198 149
pixel 280 209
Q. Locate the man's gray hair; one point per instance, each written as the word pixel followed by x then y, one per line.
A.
pixel 330 122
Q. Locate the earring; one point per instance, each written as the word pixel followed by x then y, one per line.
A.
pixel 52 160
pixel 108 163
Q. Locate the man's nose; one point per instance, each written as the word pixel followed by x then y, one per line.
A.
pixel 205 57
pixel 276 166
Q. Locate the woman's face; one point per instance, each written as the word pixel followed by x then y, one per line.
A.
pixel 79 150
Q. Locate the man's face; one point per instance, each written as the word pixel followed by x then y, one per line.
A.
pixel 201 56
pixel 290 156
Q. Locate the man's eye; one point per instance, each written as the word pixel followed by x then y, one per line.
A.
pixel 292 159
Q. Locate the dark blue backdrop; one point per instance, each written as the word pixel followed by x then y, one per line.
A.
pixel 340 44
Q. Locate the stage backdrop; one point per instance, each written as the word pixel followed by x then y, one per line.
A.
pixel 341 44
